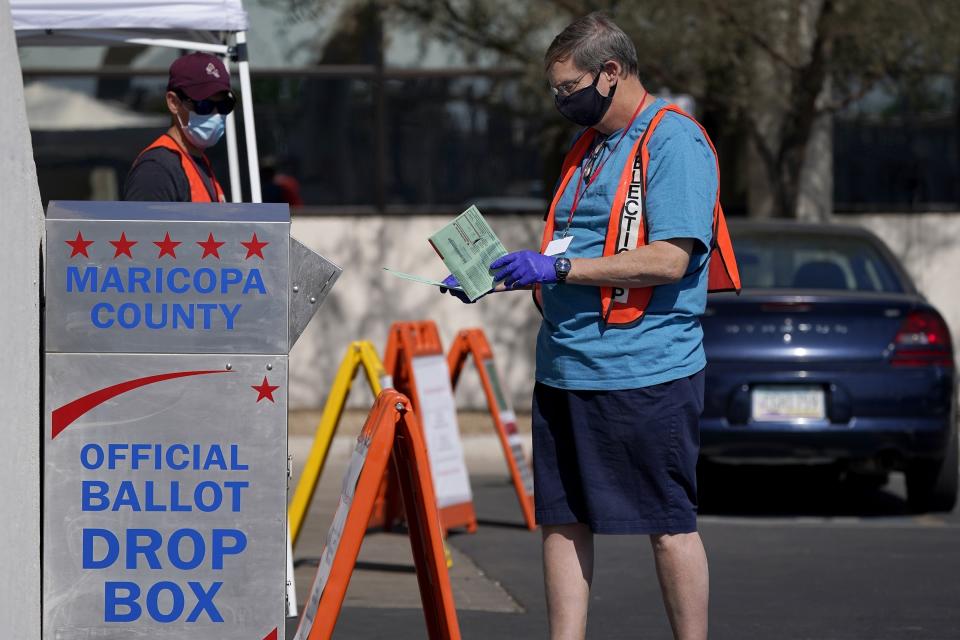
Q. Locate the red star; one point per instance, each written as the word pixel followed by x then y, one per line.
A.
pixel 79 246
pixel 211 247
pixel 254 247
pixel 265 390
pixel 167 247
pixel 123 246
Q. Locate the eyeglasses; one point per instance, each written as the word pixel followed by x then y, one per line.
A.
pixel 566 88
pixel 206 107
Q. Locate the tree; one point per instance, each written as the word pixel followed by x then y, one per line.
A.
pixel 772 69
pixel 767 73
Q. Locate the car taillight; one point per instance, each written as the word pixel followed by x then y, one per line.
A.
pixel 923 341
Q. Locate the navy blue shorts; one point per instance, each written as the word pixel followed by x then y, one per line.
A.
pixel 619 461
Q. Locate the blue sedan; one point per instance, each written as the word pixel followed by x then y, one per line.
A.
pixel 830 355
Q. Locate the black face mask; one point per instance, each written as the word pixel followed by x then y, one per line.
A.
pixel 585 107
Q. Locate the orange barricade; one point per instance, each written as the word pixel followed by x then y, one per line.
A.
pixel 414 358
pixel 391 432
pixel 473 342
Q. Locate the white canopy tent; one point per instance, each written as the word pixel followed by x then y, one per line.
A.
pixel 214 26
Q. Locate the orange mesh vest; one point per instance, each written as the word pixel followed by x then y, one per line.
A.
pixel 198 188
pixel 627 230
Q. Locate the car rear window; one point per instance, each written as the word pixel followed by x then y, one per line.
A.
pixel 812 261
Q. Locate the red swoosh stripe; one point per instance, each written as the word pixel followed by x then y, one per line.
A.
pixel 272 635
pixel 68 413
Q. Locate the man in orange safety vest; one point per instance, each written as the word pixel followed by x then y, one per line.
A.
pixel 635 238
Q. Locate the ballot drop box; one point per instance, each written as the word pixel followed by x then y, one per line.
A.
pixel 167 328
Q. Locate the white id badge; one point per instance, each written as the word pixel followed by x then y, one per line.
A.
pixel 556 247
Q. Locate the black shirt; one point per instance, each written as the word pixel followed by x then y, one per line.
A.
pixel 157 176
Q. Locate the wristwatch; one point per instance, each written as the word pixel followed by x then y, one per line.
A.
pixel 562 267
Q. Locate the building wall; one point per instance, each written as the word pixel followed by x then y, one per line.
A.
pixel 929 246
pixel 20 377
pixel 367 300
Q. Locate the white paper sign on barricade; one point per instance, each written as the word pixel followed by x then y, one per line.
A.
pixel 438 415
pixel 509 420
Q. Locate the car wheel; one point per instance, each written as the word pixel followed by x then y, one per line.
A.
pixel 932 485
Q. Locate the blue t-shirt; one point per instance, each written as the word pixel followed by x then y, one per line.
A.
pixel 575 349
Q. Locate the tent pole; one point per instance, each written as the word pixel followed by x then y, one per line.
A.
pixel 233 160
pixel 233 152
pixel 134 38
pixel 249 128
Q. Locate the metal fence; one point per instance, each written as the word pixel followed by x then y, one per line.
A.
pixel 364 139
pixel 357 139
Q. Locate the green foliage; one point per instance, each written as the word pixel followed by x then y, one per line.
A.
pixel 767 68
pixel 709 48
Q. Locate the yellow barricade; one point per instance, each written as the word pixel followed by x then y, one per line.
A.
pixel 359 354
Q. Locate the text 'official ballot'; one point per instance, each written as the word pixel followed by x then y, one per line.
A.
pixel 165 417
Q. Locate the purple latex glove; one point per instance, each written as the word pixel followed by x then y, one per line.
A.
pixel 459 294
pixel 524 268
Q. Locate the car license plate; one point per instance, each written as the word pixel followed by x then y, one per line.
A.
pixel 775 403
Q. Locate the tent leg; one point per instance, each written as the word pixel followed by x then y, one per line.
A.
pixel 233 152
pixel 233 159
pixel 249 129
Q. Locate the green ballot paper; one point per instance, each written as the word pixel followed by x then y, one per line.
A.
pixel 467 246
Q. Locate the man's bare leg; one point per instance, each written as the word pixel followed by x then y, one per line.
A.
pixel 684 582
pixel 567 574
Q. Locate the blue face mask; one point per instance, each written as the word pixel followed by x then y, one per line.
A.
pixel 204 131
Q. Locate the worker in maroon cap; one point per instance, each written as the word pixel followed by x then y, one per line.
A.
pixel 174 168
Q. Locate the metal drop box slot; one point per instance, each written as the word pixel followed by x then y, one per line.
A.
pixel 167 329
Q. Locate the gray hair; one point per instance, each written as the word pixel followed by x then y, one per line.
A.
pixel 591 41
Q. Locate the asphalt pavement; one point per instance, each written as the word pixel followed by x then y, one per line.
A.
pixel 794 554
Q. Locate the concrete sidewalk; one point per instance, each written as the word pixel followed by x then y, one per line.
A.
pixel 793 556
pixel 384 579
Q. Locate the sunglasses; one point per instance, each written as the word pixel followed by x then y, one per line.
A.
pixel 206 107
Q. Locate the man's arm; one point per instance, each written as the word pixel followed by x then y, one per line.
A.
pixel 660 262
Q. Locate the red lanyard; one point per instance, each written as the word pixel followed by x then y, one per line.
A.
pixel 578 194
